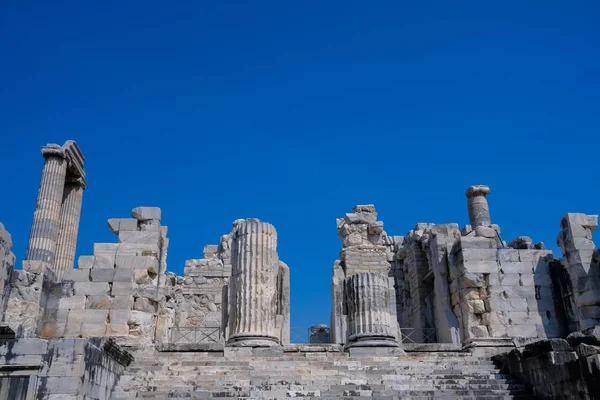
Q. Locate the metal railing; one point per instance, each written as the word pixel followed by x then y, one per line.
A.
pixel 195 334
pixel 418 335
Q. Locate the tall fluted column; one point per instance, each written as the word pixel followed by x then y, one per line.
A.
pixel 46 219
pixel 479 211
pixel 69 226
pixel 369 320
pixel 253 285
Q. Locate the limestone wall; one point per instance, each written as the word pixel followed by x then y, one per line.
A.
pixel 116 291
pixel 503 292
pixel 581 270
pixel 195 301
pixel 7 265
pixel 65 369
pixel 558 368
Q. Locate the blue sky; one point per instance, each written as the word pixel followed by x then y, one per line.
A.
pixel 293 112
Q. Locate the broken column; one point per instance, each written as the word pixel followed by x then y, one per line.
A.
pixel 46 219
pixel 479 212
pixel 369 320
pixel 253 285
pixel 361 281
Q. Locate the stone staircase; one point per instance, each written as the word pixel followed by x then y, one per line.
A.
pixel 329 375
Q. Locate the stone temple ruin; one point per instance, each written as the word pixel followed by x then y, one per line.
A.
pixel 443 311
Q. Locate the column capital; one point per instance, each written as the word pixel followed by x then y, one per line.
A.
pixel 53 150
pixel 478 190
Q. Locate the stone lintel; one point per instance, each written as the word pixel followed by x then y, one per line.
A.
pixel 75 158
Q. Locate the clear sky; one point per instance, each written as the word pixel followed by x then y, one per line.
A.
pixel 293 112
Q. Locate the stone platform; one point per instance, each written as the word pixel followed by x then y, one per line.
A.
pixel 326 373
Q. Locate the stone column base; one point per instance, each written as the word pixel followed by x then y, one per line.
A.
pixel 371 341
pixel 249 340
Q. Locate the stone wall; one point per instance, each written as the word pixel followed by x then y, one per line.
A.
pixel 503 292
pixel 558 368
pixel 580 270
pixel 65 369
pixel 116 291
pixel 7 265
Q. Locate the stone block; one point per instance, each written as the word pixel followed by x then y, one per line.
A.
pixel 138 249
pixel 26 346
pixel 119 316
pixel 117 225
pixel 480 254
pixel 486 232
pixel 105 248
pixel 517 268
pixel 478 306
pixel 144 304
pixel 114 329
pixel 474 242
pixel 123 275
pixel 77 275
pixel 479 331
pixel 91 288
pixel 141 277
pixel 485 267
pixel 104 261
pixel 65 386
pixel 143 237
pixel 526 331
pixel 508 255
pixel 534 255
pixel 141 318
pixel 102 274
pixel 122 288
pixel 472 280
pixel 85 262
pixel 500 304
pixel 122 302
pixel 146 213
pixel 73 302
pixel 103 302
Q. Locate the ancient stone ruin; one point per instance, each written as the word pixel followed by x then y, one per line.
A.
pixel 443 311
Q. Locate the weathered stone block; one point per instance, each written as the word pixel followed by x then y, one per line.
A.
pixel 104 261
pixel 77 275
pixel 139 237
pixel 146 213
pixel 123 275
pixel 73 302
pixel 90 288
pixel 85 262
pixel 122 288
pixel 105 248
pixel 102 274
pixel 485 267
pixel 103 302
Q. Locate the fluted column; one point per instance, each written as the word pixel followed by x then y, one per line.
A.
pixel 69 226
pixel 369 320
pixel 479 211
pixel 46 219
pixel 253 285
